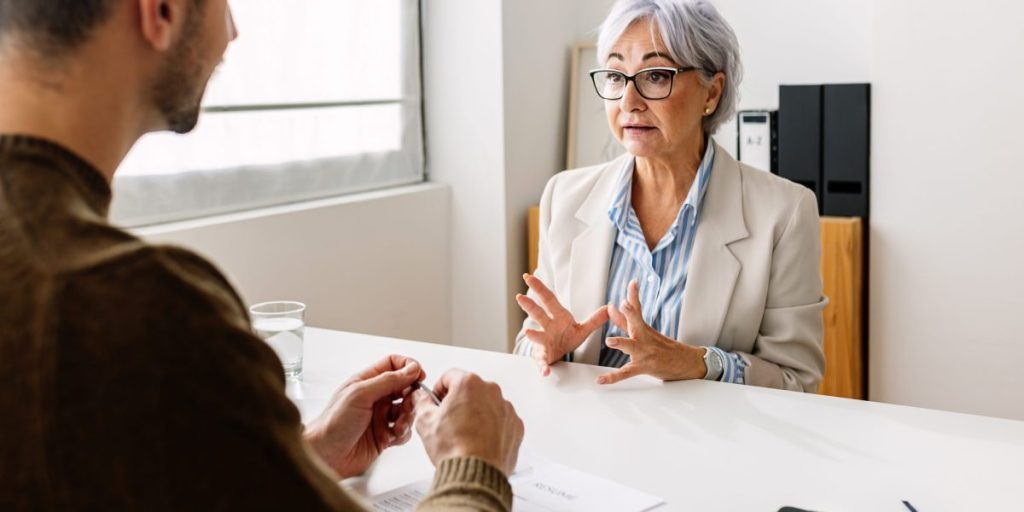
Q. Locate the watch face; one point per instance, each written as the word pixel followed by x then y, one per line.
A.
pixel 714 363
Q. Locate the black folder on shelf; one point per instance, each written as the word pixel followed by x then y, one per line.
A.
pixel 846 149
pixel 800 139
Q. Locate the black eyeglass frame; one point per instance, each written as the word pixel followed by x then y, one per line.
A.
pixel 632 78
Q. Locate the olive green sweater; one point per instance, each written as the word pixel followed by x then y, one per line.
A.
pixel 130 377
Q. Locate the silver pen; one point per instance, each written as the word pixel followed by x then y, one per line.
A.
pixel 437 401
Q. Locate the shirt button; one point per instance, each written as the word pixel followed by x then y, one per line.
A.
pixel 650 279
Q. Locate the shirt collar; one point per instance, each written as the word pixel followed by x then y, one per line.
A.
pixel 88 180
pixel 621 203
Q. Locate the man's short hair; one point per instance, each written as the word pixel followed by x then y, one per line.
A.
pixel 52 26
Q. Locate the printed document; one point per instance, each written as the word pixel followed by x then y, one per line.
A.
pixel 541 486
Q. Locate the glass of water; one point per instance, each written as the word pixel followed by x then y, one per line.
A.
pixel 281 324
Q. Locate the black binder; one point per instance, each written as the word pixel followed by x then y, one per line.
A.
pixel 846 150
pixel 800 136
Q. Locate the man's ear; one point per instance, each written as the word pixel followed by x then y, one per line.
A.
pixel 161 21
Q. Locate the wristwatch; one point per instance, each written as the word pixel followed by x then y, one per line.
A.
pixel 713 361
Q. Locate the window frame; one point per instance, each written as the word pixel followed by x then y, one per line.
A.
pixel 152 199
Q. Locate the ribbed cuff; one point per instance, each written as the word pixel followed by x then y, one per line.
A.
pixel 472 471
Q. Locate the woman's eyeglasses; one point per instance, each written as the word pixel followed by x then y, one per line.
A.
pixel 651 83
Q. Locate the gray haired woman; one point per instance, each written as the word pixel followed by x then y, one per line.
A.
pixel 706 268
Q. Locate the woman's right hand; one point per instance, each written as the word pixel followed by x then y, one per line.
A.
pixel 559 332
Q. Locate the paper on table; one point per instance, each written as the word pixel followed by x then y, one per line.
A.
pixel 402 499
pixel 541 486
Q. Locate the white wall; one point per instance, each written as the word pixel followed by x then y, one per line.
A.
pixel 786 42
pixel 538 38
pixel 464 119
pixel 947 240
pixel 947 229
pixel 496 142
pixel 375 263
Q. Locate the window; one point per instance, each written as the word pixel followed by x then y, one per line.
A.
pixel 316 98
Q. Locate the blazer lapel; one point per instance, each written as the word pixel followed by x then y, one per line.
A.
pixel 591 257
pixel 713 268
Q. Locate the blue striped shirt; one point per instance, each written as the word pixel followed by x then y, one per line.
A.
pixel 660 273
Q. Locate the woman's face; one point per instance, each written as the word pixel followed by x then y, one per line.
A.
pixel 657 128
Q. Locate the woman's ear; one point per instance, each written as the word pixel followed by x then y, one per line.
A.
pixel 715 92
pixel 160 21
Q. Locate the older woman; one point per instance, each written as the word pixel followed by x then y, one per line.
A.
pixel 706 267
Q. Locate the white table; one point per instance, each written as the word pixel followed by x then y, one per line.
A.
pixel 707 445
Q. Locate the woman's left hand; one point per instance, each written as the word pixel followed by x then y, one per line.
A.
pixel 650 352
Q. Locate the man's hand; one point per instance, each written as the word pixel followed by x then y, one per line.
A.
pixel 473 420
pixel 369 413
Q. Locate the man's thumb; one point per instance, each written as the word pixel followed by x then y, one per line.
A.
pixel 423 401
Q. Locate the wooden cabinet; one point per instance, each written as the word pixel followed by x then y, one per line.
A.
pixel 534 238
pixel 842 272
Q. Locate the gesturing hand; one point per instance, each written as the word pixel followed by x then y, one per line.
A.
pixel 559 332
pixel 362 418
pixel 650 352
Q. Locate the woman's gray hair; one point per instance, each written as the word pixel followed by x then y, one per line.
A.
pixel 695 34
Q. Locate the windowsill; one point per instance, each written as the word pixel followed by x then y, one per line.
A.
pixel 361 197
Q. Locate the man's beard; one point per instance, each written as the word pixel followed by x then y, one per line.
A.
pixel 178 89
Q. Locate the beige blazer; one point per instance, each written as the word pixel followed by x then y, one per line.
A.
pixel 754 282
